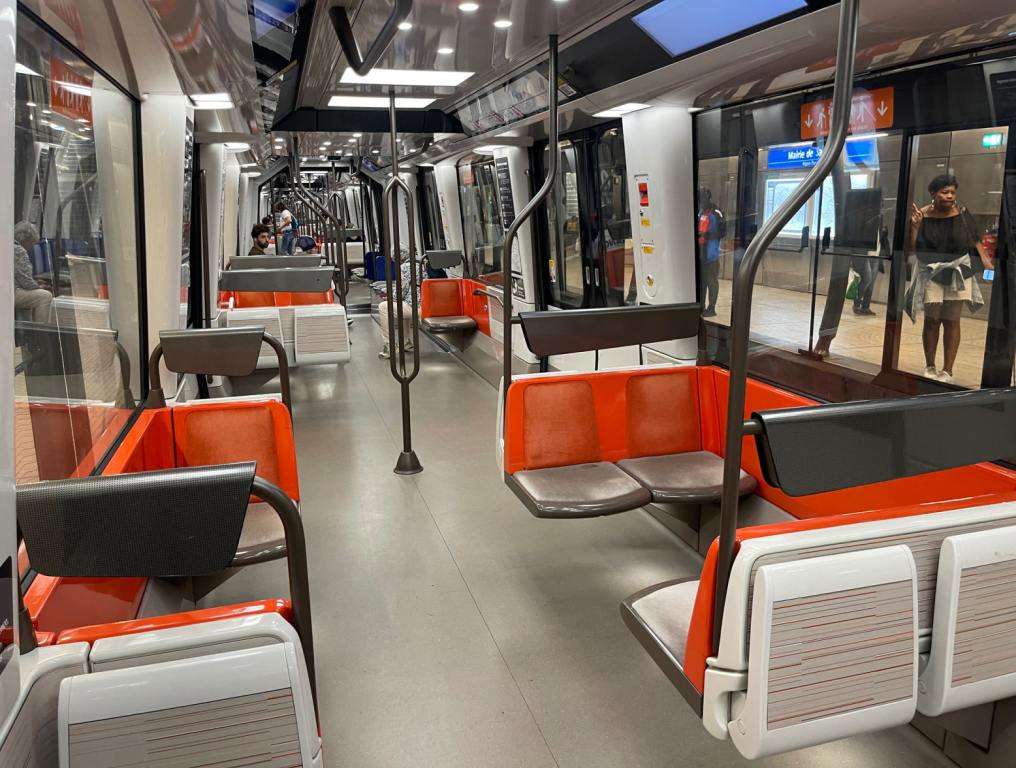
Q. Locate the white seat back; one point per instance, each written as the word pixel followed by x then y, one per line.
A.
pixel 973 641
pixel 833 651
pixel 320 334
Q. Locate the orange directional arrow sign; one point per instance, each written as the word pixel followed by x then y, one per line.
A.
pixel 869 111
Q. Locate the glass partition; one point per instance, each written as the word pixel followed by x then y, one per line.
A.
pixel 78 332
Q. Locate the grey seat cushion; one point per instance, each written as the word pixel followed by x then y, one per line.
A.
pixel 262 537
pixel 581 490
pixel 695 477
pixel 451 323
pixel 666 614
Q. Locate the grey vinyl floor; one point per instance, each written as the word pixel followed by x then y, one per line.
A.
pixel 452 628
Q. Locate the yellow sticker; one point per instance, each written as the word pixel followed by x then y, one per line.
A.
pixel 646 222
pixel 647 249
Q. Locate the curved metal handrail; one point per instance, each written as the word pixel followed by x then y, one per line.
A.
pixel 408 462
pixel 344 31
pixel 343 253
pixel 744 284
pixel 296 567
pixel 524 214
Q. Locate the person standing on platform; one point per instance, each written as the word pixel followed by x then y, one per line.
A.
pixel 943 237
pixel 711 228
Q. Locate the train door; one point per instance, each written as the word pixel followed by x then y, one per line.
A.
pixel 586 251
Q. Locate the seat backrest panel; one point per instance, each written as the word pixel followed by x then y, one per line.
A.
pixel 440 298
pixel 662 413
pixel 951 484
pixel 208 433
pixel 559 426
pixel 248 299
pixel 304 298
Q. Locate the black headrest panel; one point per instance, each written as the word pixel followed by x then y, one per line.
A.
pixel 583 330
pixel 821 448
pixel 275 262
pixel 295 279
pixel 444 259
pixel 178 522
pixel 212 351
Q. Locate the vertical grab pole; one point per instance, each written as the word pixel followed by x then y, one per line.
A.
pixel 298 189
pixel 408 463
pixel 744 284
pixel 342 254
pixel 524 214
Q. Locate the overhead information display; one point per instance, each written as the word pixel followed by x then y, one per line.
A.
pixel 682 26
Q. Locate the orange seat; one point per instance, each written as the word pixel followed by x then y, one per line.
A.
pixel 441 297
pixel 250 299
pixel 206 432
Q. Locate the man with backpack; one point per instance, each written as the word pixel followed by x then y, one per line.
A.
pixel 288 229
pixel 711 228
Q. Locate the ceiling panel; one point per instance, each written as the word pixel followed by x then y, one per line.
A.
pixel 476 45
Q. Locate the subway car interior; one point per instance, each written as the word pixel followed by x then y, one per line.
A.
pixel 508 383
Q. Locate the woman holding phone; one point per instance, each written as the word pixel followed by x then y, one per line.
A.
pixel 943 236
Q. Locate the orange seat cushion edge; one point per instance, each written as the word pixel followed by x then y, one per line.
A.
pixel 95 632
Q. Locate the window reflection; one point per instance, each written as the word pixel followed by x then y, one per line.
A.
pixel 78 346
pixel 481 216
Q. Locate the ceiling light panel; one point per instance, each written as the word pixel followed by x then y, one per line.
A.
pixel 623 109
pixel 378 102
pixel 424 77
pixel 212 101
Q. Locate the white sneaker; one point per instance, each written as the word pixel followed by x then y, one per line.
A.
pixel 384 354
pixel 945 376
pixel 930 372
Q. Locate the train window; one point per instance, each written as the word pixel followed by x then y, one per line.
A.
pixel 481 216
pixel 79 352
pixel 827 268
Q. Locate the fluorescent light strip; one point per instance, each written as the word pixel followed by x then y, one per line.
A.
pixel 212 101
pixel 622 109
pixel 236 146
pixel 379 102
pixel 406 77
pixel 21 69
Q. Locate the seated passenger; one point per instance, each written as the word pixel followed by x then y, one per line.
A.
pixel 28 292
pixel 407 309
pixel 262 237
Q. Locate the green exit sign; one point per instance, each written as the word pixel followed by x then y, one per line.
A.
pixel 992 140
